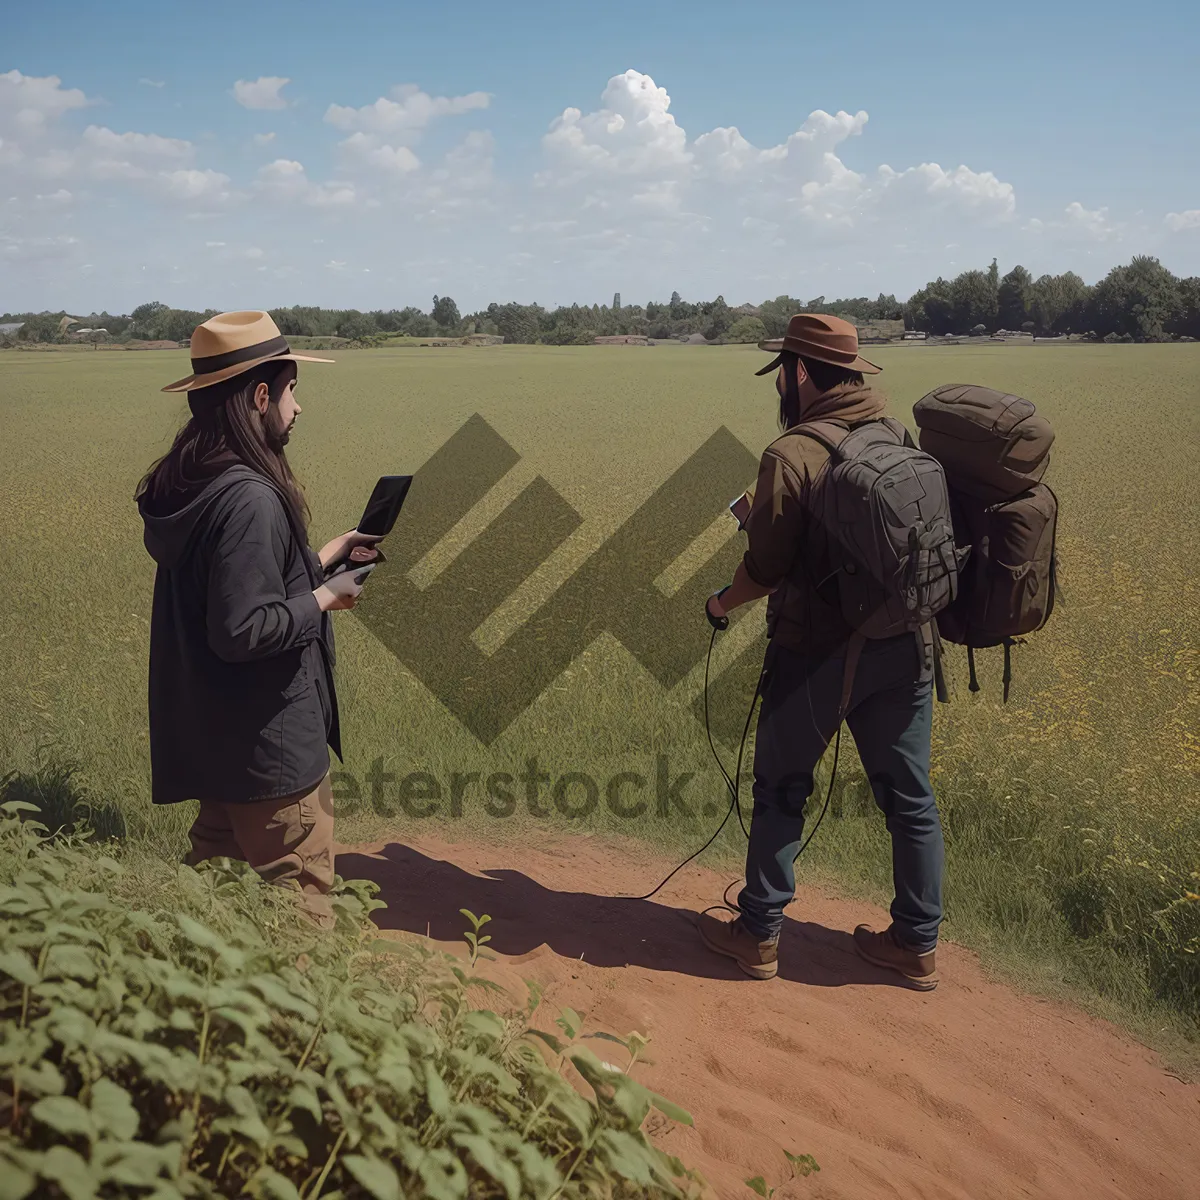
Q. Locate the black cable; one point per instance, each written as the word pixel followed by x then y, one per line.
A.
pixel 837 745
pixel 733 784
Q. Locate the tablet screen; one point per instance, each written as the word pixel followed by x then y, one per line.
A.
pixel 384 505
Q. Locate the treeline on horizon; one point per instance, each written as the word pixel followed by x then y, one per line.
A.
pixel 1141 301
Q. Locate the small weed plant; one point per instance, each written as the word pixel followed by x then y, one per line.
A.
pixel 798 1165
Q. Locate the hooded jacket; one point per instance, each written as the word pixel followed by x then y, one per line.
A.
pixel 241 693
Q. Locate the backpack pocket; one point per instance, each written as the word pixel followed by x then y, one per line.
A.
pixel 1006 587
pixel 1013 591
pixel 1007 603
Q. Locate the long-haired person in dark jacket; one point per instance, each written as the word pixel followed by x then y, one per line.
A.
pixel 243 709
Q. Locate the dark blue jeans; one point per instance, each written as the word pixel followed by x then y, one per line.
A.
pixel 890 713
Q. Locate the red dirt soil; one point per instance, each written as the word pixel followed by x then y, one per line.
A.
pixel 972 1091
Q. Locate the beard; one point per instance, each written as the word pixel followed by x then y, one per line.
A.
pixel 275 433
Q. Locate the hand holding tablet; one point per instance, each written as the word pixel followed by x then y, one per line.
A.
pixel 377 521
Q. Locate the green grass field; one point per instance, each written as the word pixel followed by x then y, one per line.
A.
pixel 1071 813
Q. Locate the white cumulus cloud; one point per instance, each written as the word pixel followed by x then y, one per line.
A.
pixel 404 114
pixel 647 193
pixel 134 145
pixel 28 103
pixel 396 160
pixel 978 192
pixel 1078 224
pixel 284 177
pixel 196 186
pixel 261 93
pixel 632 133
pixel 1093 223
pixel 286 180
pixel 622 196
pixel 1176 222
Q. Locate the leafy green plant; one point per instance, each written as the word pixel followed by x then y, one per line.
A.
pixel 471 937
pixel 801 1164
pixel 215 1045
pixel 625 1102
pixel 798 1164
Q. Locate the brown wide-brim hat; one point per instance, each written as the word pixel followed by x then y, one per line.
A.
pixel 232 343
pixel 823 338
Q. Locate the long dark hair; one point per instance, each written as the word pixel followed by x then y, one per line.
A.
pixel 225 428
pixel 825 377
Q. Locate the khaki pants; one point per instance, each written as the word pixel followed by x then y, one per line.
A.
pixel 288 841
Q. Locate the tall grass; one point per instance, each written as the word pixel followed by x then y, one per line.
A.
pixel 1071 812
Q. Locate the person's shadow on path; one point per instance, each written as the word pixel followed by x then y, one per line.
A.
pixel 424 895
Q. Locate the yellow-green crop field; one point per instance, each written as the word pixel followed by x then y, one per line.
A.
pixel 1071 812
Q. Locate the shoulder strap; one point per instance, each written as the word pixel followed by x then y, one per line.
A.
pixel 899 430
pixel 830 434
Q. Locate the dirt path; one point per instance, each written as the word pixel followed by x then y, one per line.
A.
pixel 973 1091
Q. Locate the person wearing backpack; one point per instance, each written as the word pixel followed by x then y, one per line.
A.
pixel 850 637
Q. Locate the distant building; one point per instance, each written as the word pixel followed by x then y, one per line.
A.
pixel 622 339
pixel 11 328
pixel 616 300
pixel 880 331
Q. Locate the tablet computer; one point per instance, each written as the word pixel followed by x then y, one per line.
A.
pixel 384 505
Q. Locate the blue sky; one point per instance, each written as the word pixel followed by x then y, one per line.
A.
pixel 559 153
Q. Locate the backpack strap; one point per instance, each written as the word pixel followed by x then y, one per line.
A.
pixel 854 649
pixel 939 673
pixel 929 646
pixel 830 434
pixel 899 430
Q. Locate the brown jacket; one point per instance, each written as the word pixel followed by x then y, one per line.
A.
pixel 788 552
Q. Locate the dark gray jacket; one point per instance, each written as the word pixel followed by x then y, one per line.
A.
pixel 242 700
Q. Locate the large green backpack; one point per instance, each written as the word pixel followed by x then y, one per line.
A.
pixel 994 449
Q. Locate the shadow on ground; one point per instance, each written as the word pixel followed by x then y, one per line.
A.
pixel 424 895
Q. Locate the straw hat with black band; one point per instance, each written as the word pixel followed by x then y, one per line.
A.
pixel 232 343
pixel 822 338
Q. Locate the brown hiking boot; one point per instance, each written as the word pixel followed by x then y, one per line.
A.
pixel 757 959
pixel 886 950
